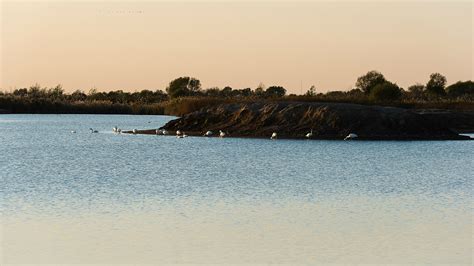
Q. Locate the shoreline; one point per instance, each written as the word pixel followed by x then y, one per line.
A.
pixel 152 132
pixel 282 117
pixel 325 121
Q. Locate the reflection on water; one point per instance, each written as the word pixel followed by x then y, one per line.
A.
pixel 105 198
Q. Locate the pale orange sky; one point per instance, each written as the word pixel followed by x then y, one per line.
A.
pixel 144 45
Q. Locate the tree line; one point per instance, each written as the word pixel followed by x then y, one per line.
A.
pixel 379 88
pixel 371 87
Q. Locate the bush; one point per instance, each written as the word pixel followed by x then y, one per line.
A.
pixel 368 81
pixel 183 86
pixel 461 88
pixel 275 91
pixel 386 91
pixel 185 105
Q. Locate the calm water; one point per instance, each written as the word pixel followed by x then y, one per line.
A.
pixel 106 198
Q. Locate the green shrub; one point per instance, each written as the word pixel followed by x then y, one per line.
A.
pixel 386 91
pixel 461 88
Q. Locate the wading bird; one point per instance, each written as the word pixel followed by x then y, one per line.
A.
pixel 274 135
pixel 221 133
pixel 351 136
pixel 310 134
pixel 208 134
pixel 181 135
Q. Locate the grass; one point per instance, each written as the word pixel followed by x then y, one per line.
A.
pixel 184 105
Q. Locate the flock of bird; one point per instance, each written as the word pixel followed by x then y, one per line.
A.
pixel 181 134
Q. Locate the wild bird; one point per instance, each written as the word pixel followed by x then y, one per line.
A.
pixel 351 136
pixel 178 132
pixel 114 129
pixel 164 132
pixel 274 135
pixel 181 135
pixel 158 132
pixel 221 134
pixel 73 131
pixel 208 134
pixel 119 130
pixel 134 131
pixel 93 130
pixel 309 134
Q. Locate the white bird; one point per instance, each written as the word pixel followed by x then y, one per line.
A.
pixel 73 131
pixel 310 134
pixel 274 135
pixel 351 136
pixel 181 135
pixel 208 133
pixel 134 131
pixel 114 129
pixel 178 132
pixel 93 131
pixel 164 132
pixel 221 133
pixel 157 132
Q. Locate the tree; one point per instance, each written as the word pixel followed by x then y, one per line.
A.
pixel 78 95
pixel 355 92
pixel 145 96
pixel 368 81
pixel 183 86
pixel 20 92
pixel 56 92
pixel 461 88
pixel 212 92
pixel 226 91
pixel 311 92
pixel 436 84
pixel 35 91
pixel 245 92
pixel 275 91
pixel 416 90
pixel 386 91
pixel 260 90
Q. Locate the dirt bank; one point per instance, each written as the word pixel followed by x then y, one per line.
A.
pixel 327 120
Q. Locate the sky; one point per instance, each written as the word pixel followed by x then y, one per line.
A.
pixel 132 46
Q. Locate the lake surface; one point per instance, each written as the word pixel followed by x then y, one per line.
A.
pixel 107 198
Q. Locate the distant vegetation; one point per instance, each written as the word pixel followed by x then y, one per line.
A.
pixel 53 100
pixel 185 94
